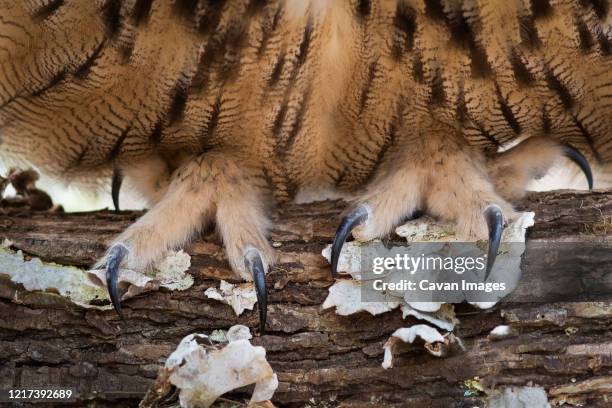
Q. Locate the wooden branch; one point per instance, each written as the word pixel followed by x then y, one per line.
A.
pixel 45 340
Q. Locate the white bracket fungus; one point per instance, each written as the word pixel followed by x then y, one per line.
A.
pixel 203 371
pixel 408 335
pixel 87 288
pixel 427 333
pixel 427 229
pixel 501 332
pixel 240 297
pixel 346 295
pixel 168 273
pixel 350 258
pixel 444 317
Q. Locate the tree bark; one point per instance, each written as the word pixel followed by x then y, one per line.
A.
pixel 45 340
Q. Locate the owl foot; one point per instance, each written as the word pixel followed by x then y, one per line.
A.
pixel 206 189
pixel 252 259
pixel 493 217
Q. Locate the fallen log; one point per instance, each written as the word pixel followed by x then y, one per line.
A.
pixel 320 358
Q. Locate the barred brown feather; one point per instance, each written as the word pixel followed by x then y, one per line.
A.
pixel 216 106
pixel 84 84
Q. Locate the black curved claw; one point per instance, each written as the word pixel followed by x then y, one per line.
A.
pixel 495 223
pixel 116 186
pixel 113 261
pixel 574 155
pixel 254 264
pixel 350 221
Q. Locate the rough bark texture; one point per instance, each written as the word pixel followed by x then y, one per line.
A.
pixel 45 340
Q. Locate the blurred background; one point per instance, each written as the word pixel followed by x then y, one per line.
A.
pixel 565 175
pixel 73 198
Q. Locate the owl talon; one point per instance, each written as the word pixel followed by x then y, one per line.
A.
pixel 116 187
pixel 495 223
pixel 254 263
pixel 574 155
pixel 113 261
pixel 348 223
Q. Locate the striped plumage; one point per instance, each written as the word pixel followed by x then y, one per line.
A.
pixel 84 83
pixel 295 98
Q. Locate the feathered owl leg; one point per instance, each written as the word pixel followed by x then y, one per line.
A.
pixel 438 173
pixel 531 159
pixel 392 196
pixel 217 187
pixel 148 178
